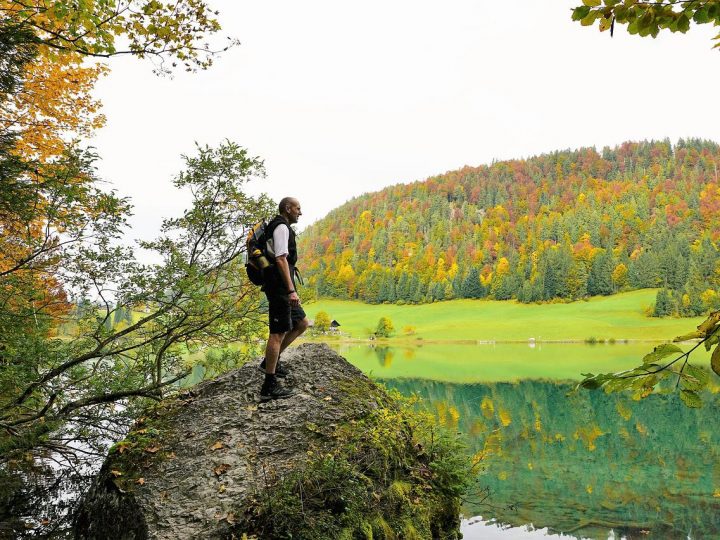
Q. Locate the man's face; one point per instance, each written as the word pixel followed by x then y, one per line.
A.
pixel 293 210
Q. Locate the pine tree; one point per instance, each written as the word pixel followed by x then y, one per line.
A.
pixel 471 286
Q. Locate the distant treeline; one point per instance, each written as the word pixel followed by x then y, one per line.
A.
pixel 562 226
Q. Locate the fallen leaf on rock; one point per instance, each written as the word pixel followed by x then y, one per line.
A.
pixel 230 518
pixel 221 489
pixel 251 408
pixel 327 398
pixel 45 521
pixel 152 449
pixel 217 446
pixel 140 481
pixel 171 455
pixel 221 469
pixel 116 473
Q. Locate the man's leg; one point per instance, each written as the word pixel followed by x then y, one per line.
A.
pixel 298 328
pixel 280 323
pixel 271 388
pixel 273 350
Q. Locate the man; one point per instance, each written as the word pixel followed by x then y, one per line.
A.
pixel 287 318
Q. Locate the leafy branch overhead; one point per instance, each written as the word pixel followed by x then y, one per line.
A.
pixel 667 368
pixel 648 18
pixel 177 31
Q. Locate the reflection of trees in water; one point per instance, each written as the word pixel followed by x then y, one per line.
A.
pixel 383 353
pixel 38 503
pixel 586 462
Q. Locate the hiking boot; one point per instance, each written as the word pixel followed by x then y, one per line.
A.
pixel 274 390
pixel 280 370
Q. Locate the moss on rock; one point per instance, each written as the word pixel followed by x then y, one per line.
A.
pixel 342 458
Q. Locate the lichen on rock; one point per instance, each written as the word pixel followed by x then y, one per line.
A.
pixel 341 458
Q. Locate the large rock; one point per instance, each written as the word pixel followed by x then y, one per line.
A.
pixel 187 468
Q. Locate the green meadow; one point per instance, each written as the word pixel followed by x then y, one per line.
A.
pixel 619 317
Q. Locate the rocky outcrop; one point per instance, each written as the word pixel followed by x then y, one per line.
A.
pixel 193 466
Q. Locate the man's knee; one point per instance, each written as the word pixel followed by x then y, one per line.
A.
pixel 302 325
pixel 276 338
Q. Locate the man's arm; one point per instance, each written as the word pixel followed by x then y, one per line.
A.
pixel 284 269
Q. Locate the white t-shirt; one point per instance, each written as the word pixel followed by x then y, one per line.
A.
pixel 281 236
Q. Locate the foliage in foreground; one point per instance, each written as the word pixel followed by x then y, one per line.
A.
pixel 393 474
pixel 659 373
pixel 59 391
pixel 649 18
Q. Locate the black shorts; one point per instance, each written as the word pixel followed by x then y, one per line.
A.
pixel 283 315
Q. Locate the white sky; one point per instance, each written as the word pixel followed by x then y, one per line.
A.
pixel 343 98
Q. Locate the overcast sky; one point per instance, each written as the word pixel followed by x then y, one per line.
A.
pixel 344 98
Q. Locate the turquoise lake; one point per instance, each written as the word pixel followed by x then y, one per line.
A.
pixel 579 464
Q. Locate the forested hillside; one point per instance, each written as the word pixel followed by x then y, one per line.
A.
pixel 559 226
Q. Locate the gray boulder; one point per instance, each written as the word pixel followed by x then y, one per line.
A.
pixel 193 466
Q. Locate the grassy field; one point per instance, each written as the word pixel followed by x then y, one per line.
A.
pixel 618 317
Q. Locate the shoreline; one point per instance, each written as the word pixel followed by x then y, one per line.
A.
pixel 421 341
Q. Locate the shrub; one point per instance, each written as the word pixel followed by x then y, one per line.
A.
pixel 394 474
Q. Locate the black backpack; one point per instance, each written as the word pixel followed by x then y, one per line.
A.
pixel 257 259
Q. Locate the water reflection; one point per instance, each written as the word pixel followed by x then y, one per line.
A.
pixel 496 362
pixel 586 463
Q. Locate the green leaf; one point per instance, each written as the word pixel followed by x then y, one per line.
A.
pixel 618 384
pixel 660 352
pixel 592 3
pixel 590 18
pixel 689 382
pixel 712 340
pixel 691 399
pixel 580 13
pixel 710 323
pixel 605 24
pixel 701 15
pixel 715 360
pixel 683 23
pixel 699 373
pixel 692 335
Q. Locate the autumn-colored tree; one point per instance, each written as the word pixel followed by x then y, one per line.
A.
pixel 58 227
pixel 322 322
pixel 167 32
pixel 384 328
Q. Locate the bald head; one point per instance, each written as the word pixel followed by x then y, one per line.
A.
pixel 289 207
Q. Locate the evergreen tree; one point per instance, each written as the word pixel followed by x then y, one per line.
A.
pixel 600 277
pixel 663 303
pixel 471 286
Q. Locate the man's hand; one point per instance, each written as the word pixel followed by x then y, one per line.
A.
pixel 294 298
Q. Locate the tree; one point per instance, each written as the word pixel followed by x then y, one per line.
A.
pixel 663 304
pixel 600 280
pixel 471 287
pixel 175 31
pixel 384 328
pixel 56 392
pixel 648 18
pixel 322 322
